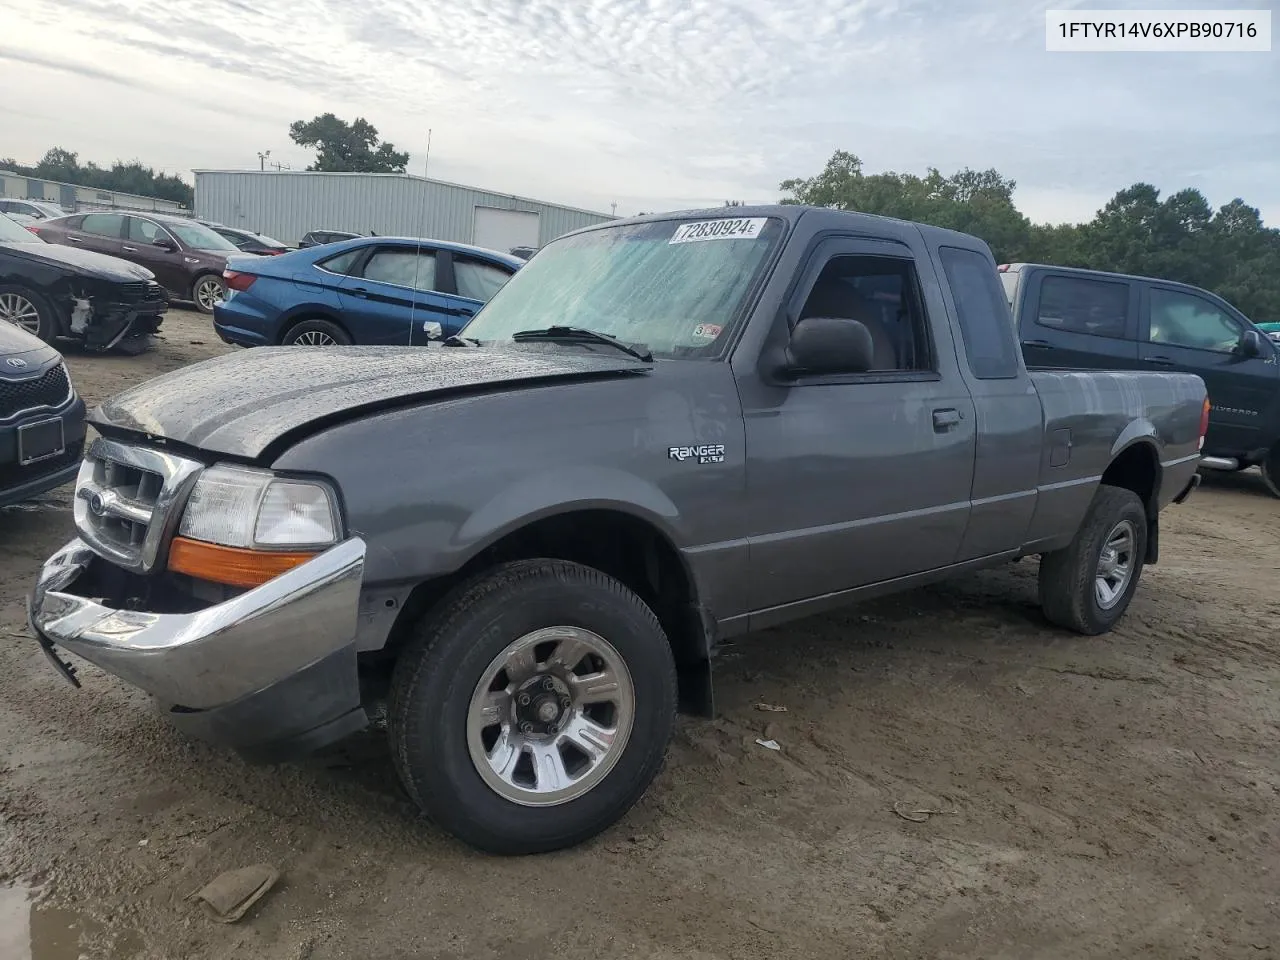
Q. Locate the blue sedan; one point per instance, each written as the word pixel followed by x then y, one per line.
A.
pixel 370 290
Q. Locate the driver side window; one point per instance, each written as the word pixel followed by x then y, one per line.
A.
pixel 882 294
pixel 1185 320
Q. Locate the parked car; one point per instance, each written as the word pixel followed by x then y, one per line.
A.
pixel 1271 329
pixel 391 290
pixel 661 433
pixel 52 291
pixel 315 238
pixel 35 209
pixel 187 258
pixel 42 425
pixel 1071 318
pixel 247 241
pixel 524 253
pixel 24 221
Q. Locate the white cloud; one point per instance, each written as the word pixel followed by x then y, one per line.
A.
pixel 651 104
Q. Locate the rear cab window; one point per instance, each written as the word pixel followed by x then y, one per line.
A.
pixel 1084 305
pixel 982 311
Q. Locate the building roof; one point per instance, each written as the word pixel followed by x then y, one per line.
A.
pixel 410 176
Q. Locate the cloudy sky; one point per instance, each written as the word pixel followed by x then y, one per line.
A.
pixel 649 104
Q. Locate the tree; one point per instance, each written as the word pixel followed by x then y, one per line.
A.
pixel 1179 237
pixel 343 147
pixel 132 177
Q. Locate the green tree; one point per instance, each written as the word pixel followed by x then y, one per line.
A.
pixel 132 177
pixel 343 147
pixel 1178 237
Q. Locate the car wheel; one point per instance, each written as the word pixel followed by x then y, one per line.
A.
pixel 29 311
pixel 533 709
pixel 1087 586
pixel 1271 471
pixel 208 291
pixel 316 333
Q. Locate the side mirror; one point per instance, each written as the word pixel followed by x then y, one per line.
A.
pixel 1251 344
pixel 827 345
pixel 164 243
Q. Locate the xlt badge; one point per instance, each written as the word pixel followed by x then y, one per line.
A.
pixel 705 453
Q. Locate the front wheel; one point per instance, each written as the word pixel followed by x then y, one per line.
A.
pixel 1271 470
pixel 532 710
pixel 1087 586
pixel 208 291
pixel 28 311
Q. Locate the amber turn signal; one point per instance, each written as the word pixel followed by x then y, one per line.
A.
pixel 234 566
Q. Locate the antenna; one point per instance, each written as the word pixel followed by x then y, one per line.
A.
pixel 417 259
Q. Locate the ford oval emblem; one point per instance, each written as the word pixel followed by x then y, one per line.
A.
pixel 17 362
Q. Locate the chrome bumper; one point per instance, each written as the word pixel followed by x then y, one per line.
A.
pixel 214 656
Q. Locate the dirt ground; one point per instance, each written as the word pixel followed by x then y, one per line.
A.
pixel 1113 797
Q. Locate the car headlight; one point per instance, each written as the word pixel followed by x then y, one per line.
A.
pixel 243 526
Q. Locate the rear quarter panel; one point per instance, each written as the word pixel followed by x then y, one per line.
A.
pixel 1090 418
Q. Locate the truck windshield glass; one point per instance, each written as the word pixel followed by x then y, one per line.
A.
pixel 674 286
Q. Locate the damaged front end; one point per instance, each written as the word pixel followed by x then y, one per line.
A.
pixel 103 314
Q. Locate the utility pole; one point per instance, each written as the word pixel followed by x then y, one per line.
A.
pixel 613 209
pixel 262 159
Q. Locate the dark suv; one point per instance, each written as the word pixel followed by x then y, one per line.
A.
pixel 1071 318
pixel 187 257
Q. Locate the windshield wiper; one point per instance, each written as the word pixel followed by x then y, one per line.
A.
pixel 640 352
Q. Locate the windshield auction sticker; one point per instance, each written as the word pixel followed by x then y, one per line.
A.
pixel 739 228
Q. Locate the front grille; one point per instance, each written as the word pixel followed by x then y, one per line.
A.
pixel 141 291
pixel 50 389
pixel 12 475
pixel 128 499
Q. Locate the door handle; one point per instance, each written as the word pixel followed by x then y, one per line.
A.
pixel 359 291
pixel 1043 344
pixel 75 239
pixel 129 249
pixel 1159 361
pixel 944 420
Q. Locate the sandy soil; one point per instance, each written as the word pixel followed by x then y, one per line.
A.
pixel 1114 797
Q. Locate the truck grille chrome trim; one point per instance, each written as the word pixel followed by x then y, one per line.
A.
pixel 128 500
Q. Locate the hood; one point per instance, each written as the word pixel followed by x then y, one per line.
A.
pixel 87 262
pixel 245 403
pixel 29 354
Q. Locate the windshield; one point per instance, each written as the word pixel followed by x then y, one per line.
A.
pixel 13 232
pixel 674 286
pixel 200 237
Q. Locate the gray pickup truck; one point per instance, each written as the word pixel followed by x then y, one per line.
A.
pixel 525 542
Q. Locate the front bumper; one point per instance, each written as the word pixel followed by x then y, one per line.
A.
pixel 270 673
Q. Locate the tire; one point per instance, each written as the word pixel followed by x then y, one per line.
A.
pixel 207 291
pixel 29 311
pixel 442 672
pixel 1271 471
pixel 316 333
pixel 1069 595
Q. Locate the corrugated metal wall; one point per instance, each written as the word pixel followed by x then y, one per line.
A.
pixel 71 196
pixel 286 204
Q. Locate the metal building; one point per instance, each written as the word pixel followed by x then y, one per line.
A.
pixel 73 197
pixel 285 204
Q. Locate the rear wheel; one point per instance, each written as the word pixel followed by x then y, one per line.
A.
pixel 1087 586
pixel 316 333
pixel 1271 470
pixel 532 709
pixel 28 311
pixel 208 291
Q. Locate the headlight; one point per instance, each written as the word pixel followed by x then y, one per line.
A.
pixel 242 507
pixel 243 527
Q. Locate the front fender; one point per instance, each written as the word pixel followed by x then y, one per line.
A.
pixel 565 490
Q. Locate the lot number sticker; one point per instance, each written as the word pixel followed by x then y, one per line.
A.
pixel 736 229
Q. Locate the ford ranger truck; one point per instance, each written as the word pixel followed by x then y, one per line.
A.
pixel 524 542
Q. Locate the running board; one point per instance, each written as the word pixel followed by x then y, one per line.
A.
pixel 1219 463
